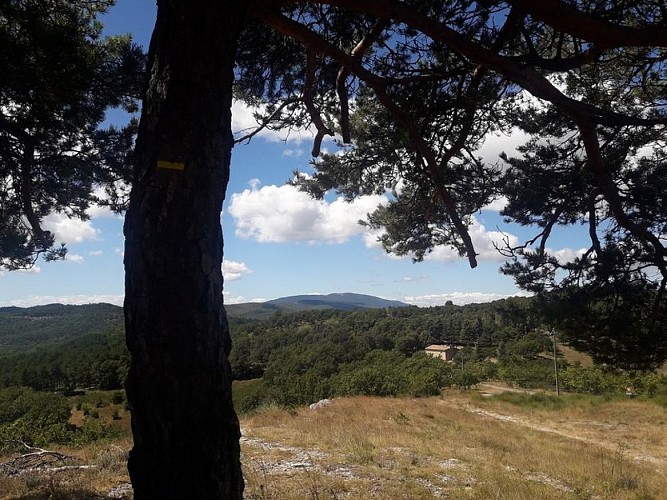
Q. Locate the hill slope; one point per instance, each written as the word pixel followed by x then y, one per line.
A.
pixel 341 301
pixel 345 301
pixel 25 328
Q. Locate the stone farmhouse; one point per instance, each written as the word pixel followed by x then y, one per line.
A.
pixel 442 351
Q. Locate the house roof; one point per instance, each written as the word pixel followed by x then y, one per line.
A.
pixel 440 347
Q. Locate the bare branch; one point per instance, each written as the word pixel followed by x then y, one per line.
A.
pixel 266 121
pixel 357 53
pixel 38 460
pixel 308 94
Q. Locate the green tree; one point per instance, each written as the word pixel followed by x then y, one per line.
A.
pixel 617 322
pixel 58 77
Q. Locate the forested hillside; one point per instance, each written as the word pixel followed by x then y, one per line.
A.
pixel 60 347
pixel 26 328
pixel 310 355
pixel 341 301
pixel 98 360
pixel 307 355
pixel 492 330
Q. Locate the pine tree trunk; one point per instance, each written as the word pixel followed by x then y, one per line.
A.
pixel 186 433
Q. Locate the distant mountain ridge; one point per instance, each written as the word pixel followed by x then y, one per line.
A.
pixel 23 329
pixel 342 301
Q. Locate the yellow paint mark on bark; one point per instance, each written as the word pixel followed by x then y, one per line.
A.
pixel 171 165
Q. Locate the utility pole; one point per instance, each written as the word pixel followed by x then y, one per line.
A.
pixel 553 338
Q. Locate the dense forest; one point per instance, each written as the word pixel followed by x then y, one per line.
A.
pixel 305 356
pixel 97 360
pixel 63 347
pixel 308 355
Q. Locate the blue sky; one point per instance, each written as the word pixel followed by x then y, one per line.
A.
pixel 278 242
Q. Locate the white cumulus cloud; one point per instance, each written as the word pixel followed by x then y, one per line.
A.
pixel 565 255
pixel 496 205
pixel 280 214
pixel 230 298
pixel 233 270
pixel 485 243
pixel 293 153
pixel 29 270
pixel 97 211
pixel 496 143
pixel 458 298
pixel 68 230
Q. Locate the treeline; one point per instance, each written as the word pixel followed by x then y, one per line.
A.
pixel 499 329
pixel 308 341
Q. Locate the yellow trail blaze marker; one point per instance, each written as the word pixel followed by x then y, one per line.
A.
pixel 171 165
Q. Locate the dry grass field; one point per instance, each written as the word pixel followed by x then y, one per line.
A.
pixel 458 446
pixel 468 445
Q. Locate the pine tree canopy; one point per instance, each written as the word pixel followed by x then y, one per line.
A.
pixel 409 90
pixel 58 77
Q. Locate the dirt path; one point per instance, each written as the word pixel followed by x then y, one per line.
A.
pixel 608 433
pixel 568 433
pixel 489 388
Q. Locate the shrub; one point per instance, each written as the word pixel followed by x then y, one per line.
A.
pixel 117 398
pixel 369 380
pixel 601 380
pixel 425 375
pixel 34 417
pixel 528 373
pixel 250 403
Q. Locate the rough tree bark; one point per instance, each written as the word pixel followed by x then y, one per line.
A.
pixel 186 433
